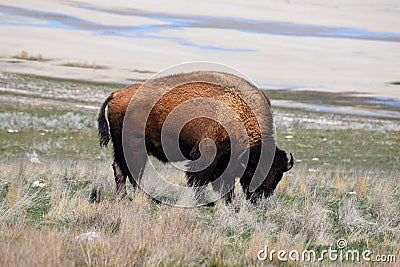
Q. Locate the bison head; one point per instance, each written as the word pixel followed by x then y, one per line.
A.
pixel 280 165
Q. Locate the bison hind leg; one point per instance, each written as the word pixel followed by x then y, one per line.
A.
pixel 120 179
pixel 131 180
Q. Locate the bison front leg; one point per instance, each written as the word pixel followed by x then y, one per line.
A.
pixel 245 182
pixel 199 180
pixel 252 196
pixel 198 183
pixel 225 189
pixel 224 180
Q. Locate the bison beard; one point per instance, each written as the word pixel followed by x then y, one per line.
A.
pixel 193 133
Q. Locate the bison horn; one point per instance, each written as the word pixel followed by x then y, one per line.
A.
pixel 291 163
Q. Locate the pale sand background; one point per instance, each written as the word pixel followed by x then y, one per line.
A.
pixel 319 45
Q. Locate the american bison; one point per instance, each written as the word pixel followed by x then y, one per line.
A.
pixel 213 106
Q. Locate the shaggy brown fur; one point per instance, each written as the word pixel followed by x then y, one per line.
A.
pixel 223 88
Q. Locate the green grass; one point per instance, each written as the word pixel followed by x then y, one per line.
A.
pixel 345 148
pixel 40 112
pixel 68 143
pixel 54 98
pixel 41 78
pixel 327 98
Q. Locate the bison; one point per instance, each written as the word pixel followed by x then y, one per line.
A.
pixel 229 102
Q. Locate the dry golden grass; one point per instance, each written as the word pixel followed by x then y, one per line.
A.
pixel 85 65
pixel 25 56
pixel 57 225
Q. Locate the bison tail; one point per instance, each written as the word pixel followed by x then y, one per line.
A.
pixel 104 132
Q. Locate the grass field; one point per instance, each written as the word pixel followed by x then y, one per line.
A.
pixel 345 185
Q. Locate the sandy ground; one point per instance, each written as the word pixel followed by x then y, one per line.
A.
pixel 319 45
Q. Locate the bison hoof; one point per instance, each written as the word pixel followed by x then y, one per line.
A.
pixel 208 205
